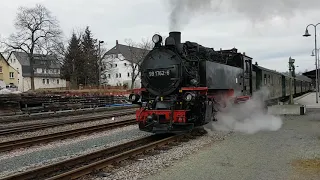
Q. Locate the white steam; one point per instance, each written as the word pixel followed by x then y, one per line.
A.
pixel 255 10
pixel 248 117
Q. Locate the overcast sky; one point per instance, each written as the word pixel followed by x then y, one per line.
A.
pixel 268 31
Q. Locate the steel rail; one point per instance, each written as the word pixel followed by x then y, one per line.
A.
pixel 33 127
pixel 59 114
pixel 27 142
pixel 82 165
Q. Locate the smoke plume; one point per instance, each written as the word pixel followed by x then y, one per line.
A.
pixel 181 11
pixel 248 117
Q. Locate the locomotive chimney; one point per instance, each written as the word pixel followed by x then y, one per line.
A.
pixel 176 36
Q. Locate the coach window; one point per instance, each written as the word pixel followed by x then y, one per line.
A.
pixel 265 79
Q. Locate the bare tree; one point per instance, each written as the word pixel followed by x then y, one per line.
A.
pixel 138 51
pixel 37 32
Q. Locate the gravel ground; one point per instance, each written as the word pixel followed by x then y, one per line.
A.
pixel 145 165
pixel 63 128
pixel 34 157
pixel 290 153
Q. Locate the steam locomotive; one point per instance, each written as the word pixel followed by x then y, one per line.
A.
pixel 183 85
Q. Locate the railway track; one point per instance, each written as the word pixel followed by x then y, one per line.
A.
pixel 85 164
pixel 33 127
pixel 27 142
pixel 58 114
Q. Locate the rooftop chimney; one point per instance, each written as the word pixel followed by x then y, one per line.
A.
pixel 117 44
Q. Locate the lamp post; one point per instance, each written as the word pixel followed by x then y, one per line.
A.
pixel 307 34
pixel 99 62
pixel 317 57
pixel 291 67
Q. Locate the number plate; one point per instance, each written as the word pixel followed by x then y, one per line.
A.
pixel 159 73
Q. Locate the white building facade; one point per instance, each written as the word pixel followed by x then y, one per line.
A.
pixel 117 66
pixel 118 72
pixel 46 73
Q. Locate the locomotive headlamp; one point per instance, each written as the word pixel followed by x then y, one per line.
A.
pixel 134 97
pixel 156 38
pixel 189 97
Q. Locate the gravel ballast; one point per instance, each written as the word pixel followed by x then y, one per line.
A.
pixel 147 164
pixel 57 151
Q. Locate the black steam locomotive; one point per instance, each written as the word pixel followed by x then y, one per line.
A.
pixel 185 84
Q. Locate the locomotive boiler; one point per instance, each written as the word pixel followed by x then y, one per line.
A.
pixel 183 85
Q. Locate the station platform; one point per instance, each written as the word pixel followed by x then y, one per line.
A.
pixel 309 100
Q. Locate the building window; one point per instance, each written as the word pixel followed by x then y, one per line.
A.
pixel 47 70
pixel 43 81
pixel 119 75
pixel 11 75
pixel 265 79
pixel 128 74
pixel 57 81
pixel 42 70
pixel 125 64
pixel 0 69
pixel 116 75
pixel 47 81
pixel 109 76
pixel 280 80
pixel 116 65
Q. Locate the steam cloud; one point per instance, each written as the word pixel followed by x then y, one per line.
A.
pixel 255 10
pixel 247 117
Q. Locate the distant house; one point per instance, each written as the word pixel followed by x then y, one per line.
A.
pixel 46 71
pixel 8 75
pixel 117 69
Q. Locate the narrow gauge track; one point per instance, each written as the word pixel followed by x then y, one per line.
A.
pixel 59 114
pixel 33 127
pixel 85 164
pixel 27 142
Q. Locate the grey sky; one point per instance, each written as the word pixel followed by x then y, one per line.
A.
pixel 270 42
